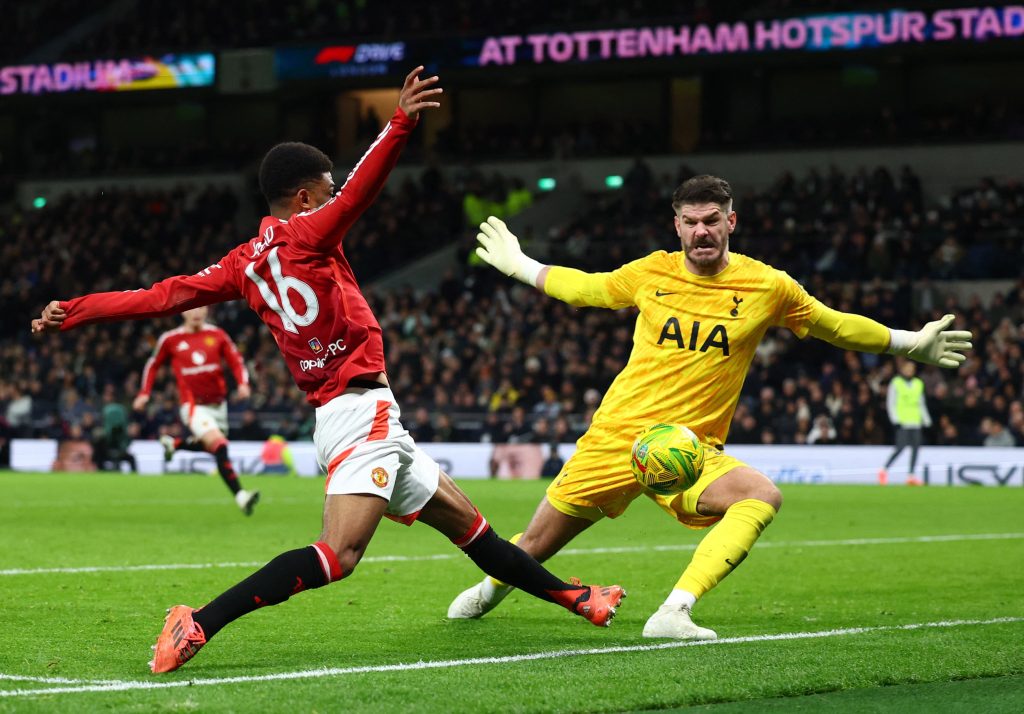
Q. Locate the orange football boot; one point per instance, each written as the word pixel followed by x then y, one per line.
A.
pixel 597 603
pixel 178 642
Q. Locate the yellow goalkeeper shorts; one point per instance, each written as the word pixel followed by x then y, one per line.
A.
pixel 597 483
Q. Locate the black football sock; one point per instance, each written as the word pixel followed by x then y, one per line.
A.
pixel 513 565
pixel 289 573
pixel 225 468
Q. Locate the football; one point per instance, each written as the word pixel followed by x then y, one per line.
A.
pixel 667 458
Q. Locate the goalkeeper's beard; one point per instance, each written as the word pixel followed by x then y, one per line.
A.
pixel 705 252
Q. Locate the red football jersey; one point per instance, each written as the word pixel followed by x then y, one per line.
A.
pixel 197 360
pixel 294 275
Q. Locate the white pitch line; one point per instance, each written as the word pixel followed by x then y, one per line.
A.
pixel 567 551
pixel 52 680
pixel 122 686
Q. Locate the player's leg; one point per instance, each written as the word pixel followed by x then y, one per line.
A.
pixel 190 442
pixel 209 424
pixel 349 523
pixel 743 501
pixel 901 443
pixel 452 513
pixel 592 485
pixel 547 533
pixel 914 441
pixel 177 443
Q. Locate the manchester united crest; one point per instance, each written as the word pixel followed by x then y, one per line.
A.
pixel 380 477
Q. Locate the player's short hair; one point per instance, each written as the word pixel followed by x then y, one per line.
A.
pixel 288 167
pixel 702 189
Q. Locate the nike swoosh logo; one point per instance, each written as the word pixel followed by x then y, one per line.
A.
pixel 658 293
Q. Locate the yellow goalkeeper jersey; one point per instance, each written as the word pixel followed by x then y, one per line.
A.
pixel 693 342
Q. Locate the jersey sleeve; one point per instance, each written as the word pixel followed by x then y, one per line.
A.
pixel 214 284
pixel 624 283
pixel 615 290
pixel 234 359
pixel 848 331
pixel 160 354
pixel 323 227
pixel 795 308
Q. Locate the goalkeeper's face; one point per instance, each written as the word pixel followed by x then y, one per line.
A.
pixel 703 230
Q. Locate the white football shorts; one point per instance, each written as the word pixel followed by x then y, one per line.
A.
pixel 364 448
pixel 201 418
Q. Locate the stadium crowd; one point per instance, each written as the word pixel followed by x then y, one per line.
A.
pixel 482 359
pixel 188 24
pixel 50 148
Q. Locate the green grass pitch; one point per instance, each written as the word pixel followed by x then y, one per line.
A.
pixel 856 599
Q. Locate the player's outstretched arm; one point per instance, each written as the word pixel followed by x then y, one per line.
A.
pixel 327 224
pixel 933 344
pixel 168 297
pixel 500 248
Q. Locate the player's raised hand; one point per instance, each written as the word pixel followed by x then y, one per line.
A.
pixel 500 247
pixel 936 345
pixel 416 93
pixel 50 319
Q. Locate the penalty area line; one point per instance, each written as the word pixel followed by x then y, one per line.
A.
pixel 121 686
pixel 678 547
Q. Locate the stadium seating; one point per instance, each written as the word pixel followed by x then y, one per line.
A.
pixel 482 359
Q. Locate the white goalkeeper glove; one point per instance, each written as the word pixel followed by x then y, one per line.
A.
pixel 499 247
pixel 932 344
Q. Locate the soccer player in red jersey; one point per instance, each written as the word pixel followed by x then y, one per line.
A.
pixel 294 275
pixel 196 351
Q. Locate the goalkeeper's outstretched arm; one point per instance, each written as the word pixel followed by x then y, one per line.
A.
pixel 933 344
pixel 499 247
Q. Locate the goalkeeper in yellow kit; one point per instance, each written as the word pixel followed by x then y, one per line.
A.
pixel 702 313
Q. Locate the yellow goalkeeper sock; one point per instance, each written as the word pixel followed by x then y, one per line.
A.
pixel 726 545
pixel 494 581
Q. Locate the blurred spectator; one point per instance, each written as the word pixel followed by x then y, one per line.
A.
pixel 553 464
pixel 421 426
pixel 445 431
pixel 6 434
pixel 822 432
pixel 110 446
pixel 19 408
pixel 277 457
pixel 517 429
pixel 250 428
pixel 996 434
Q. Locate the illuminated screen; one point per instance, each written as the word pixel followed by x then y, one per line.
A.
pixel 172 71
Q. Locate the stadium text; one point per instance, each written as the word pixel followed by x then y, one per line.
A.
pixel 848 31
pixel 168 72
pixel 977 474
